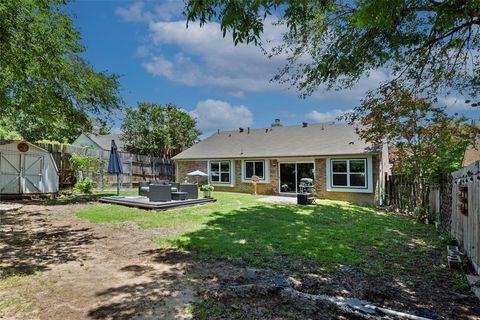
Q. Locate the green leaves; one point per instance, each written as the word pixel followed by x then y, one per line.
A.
pixel 432 46
pixel 47 91
pixel 158 130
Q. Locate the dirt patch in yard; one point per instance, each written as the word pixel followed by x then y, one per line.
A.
pixel 56 266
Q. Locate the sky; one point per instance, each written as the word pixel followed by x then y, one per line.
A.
pixel 221 85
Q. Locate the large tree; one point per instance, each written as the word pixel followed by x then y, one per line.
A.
pixel 47 90
pixel 158 130
pixel 431 46
pixel 427 142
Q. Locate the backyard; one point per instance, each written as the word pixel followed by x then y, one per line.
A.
pixel 71 258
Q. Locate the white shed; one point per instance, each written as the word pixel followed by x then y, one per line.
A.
pixel 26 169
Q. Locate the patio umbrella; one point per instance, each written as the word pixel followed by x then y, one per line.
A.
pixel 197 173
pixel 114 164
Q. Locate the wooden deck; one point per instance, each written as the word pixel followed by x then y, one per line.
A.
pixel 144 203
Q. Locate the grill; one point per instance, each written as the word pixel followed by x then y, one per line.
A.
pixel 306 184
pixel 305 191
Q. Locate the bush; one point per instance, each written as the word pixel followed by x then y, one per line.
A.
pixel 206 187
pixel 84 186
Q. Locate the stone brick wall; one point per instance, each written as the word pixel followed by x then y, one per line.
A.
pixel 184 167
pixel 271 188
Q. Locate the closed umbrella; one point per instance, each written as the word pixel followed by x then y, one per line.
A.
pixel 197 173
pixel 114 164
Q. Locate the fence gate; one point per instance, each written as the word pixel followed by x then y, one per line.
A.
pixel 10 171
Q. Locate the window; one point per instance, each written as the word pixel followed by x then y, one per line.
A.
pixel 349 173
pixel 220 171
pixel 254 168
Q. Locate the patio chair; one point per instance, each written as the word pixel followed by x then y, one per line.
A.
pixel 191 189
pixel 160 193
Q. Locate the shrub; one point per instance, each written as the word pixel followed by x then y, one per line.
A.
pixel 207 187
pixel 85 186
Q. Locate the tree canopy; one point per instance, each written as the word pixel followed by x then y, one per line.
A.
pixel 431 46
pixel 47 90
pixel 158 130
pixel 425 142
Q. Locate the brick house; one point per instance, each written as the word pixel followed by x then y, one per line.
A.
pixel 342 166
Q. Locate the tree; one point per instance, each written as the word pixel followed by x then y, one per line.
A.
pixel 431 46
pixel 47 91
pixel 427 142
pixel 158 130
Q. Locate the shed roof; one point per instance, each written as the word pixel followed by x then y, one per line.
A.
pixel 286 141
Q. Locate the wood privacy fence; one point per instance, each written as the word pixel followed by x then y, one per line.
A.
pixel 135 167
pixel 401 194
pixel 465 211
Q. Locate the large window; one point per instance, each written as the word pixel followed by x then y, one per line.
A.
pixel 220 172
pixel 254 168
pixel 351 173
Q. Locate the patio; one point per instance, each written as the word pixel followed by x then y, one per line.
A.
pixel 144 203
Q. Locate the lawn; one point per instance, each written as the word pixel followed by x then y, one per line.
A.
pixel 243 230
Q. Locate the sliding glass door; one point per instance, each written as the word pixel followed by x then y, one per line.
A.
pixel 292 172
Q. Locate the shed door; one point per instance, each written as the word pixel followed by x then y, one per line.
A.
pixel 32 174
pixel 10 172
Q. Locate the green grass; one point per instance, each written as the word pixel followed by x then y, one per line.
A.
pixel 240 229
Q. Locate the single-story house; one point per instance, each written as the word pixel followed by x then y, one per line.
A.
pixel 100 141
pixel 342 166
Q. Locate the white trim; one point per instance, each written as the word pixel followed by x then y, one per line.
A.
pixel 369 168
pixel 232 173
pixel 266 170
pixel 296 187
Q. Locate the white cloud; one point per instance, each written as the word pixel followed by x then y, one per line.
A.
pixel 454 103
pixel 217 61
pixel 329 116
pixel 203 57
pixel 217 114
pixel 134 13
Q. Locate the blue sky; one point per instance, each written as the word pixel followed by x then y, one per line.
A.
pixel 222 86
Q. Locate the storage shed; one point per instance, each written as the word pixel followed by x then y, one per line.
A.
pixel 26 169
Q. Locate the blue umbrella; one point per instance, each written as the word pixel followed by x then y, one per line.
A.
pixel 114 164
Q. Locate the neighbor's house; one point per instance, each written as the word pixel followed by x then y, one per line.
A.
pixel 343 166
pixel 100 142
pixel 472 153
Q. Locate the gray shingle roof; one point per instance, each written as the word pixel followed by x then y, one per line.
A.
pixel 105 140
pixel 287 141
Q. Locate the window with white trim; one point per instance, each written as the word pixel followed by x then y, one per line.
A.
pixel 349 173
pixel 254 168
pixel 220 172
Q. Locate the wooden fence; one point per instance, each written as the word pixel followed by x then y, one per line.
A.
pixel 465 225
pixel 135 167
pixel 401 194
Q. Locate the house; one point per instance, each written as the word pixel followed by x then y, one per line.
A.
pixel 100 142
pixel 342 166
pixel 472 153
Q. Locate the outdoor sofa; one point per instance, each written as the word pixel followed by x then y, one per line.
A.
pixel 163 190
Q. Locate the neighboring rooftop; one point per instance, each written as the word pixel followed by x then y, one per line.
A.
pixel 282 141
pixel 104 141
pixel 472 153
